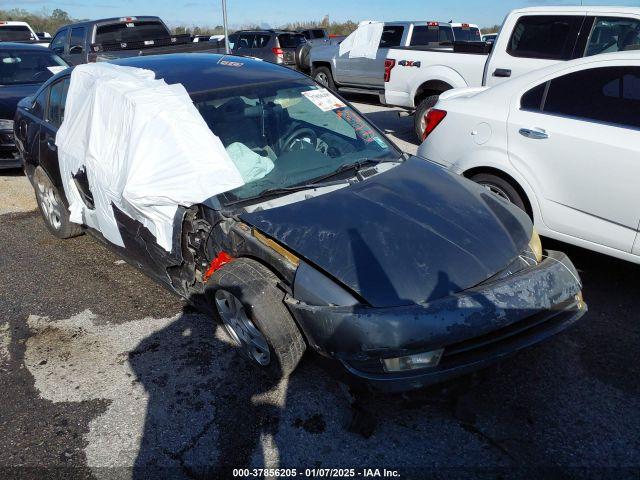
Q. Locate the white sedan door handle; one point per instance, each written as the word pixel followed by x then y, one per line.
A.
pixel 536 133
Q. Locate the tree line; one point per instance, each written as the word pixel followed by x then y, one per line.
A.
pixel 41 21
pixel 46 21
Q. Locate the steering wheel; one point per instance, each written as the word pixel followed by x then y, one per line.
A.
pixel 298 138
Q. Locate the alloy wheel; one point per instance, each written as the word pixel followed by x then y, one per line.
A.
pixel 241 329
pixel 50 204
pixel 322 79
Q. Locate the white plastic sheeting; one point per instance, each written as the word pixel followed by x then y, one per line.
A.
pixel 145 148
pixel 363 42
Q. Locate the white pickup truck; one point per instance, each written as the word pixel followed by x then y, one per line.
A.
pixel 364 75
pixel 530 38
pixel 11 31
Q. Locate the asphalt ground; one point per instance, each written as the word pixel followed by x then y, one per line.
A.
pixel 105 374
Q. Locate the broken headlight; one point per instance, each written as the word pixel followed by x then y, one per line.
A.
pixel 535 245
pixel 314 288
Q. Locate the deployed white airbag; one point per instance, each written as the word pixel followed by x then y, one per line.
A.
pixel 363 42
pixel 145 148
pixel 251 166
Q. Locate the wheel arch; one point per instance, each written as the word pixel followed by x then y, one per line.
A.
pixel 507 177
pixel 440 79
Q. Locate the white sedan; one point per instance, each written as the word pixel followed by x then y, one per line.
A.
pixel 563 143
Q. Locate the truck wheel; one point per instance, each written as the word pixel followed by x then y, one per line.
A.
pixel 250 308
pixel 53 210
pixel 501 187
pixel 323 76
pixel 419 123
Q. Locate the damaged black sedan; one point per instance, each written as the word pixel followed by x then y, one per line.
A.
pixel 402 273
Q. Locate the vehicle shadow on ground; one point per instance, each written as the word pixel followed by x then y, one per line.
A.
pixel 204 413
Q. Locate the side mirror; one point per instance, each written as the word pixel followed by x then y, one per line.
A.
pixel 75 50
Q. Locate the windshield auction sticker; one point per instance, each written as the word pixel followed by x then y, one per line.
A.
pixel 323 99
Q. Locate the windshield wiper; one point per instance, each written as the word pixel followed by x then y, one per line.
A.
pixel 355 166
pixel 271 192
pixel 315 182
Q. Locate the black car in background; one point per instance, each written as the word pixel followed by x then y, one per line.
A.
pixel 400 272
pixel 23 69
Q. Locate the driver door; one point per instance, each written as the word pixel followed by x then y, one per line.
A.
pixel 76 54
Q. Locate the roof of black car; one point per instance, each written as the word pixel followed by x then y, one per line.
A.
pixel 201 72
pixel 14 46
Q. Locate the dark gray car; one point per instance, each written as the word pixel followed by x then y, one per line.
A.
pixel 275 46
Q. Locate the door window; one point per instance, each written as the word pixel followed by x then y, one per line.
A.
pixel 260 41
pixel 613 35
pixel 57 44
pixel 37 108
pixel 57 99
pixel 76 42
pixel 545 37
pixel 532 100
pixel 391 36
pixel 606 94
pixel 245 40
pixel 291 40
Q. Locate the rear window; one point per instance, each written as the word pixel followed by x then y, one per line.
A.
pixel 130 32
pixel 391 36
pixel 291 40
pixel 27 67
pixel 15 33
pixel 545 36
pixel 466 34
pixel 423 35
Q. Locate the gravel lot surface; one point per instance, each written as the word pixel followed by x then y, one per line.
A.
pixel 104 374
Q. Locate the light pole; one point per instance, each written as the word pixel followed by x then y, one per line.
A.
pixel 224 24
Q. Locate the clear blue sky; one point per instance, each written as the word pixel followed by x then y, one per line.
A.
pixel 278 12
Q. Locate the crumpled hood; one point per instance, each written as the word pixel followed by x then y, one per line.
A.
pixel 10 95
pixel 412 234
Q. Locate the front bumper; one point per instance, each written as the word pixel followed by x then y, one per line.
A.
pixel 476 327
pixel 9 157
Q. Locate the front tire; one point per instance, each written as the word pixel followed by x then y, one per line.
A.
pixel 250 307
pixel 323 76
pixel 52 208
pixel 501 187
pixel 419 123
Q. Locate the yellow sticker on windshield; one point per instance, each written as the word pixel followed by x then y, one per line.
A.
pixel 324 99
